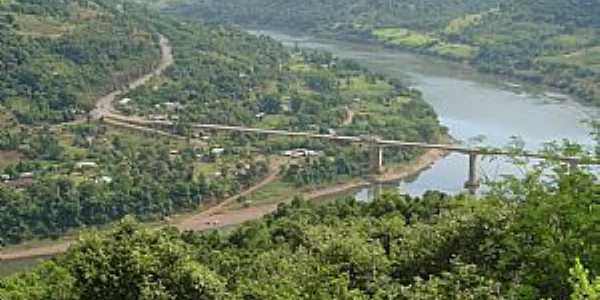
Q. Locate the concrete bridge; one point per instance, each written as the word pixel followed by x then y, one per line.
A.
pixel 375 143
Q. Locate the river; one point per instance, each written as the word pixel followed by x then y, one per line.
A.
pixel 478 109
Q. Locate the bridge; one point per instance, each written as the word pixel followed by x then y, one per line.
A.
pixel 376 145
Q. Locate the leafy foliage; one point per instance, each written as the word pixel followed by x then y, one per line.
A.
pixel 553 42
pixel 396 247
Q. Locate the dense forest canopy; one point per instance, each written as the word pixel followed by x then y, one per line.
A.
pixel 58 56
pixel 531 239
pixel 554 42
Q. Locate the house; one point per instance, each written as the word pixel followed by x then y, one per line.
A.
pixel 26 175
pixel 217 151
pixel 86 165
pixel 124 101
pixel 301 153
pixel 104 179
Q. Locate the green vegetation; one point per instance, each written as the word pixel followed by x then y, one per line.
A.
pixel 58 56
pixel 89 177
pixel 403 37
pixel 552 42
pixel 530 238
pixel 64 178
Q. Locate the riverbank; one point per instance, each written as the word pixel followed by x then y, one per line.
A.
pixel 532 77
pixel 225 214
pixel 230 215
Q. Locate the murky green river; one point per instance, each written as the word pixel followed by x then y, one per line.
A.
pixel 477 108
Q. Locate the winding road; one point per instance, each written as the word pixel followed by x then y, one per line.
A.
pixel 104 105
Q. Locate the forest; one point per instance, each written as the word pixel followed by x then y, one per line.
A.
pixel 550 42
pixel 220 75
pixel 58 56
pixel 530 238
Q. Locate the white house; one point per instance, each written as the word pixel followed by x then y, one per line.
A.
pixel 217 151
pixel 86 165
pixel 26 175
pixel 125 101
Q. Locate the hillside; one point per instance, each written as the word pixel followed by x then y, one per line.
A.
pixel 518 245
pixel 219 75
pixel 552 42
pixel 58 56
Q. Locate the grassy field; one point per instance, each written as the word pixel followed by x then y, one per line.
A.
pixel 8 158
pixel 40 26
pixel 455 51
pixel 8 268
pixel 405 38
pixel 459 25
pixel 587 58
pixel 274 121
pixel 362 87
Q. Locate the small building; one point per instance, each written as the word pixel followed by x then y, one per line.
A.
pixel 86 165
pixel 26 175
pixel 5 177
pixel 104 179
pixel 301 153
pixel 157 117
pixel 217 151
pixel 125 101
pixel 174 152
pixel 260 115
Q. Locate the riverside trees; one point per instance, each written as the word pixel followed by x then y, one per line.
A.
pixel 396 247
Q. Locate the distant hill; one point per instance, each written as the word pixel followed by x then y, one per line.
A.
pixel 555 42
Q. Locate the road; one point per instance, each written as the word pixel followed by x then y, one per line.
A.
pixel 104 105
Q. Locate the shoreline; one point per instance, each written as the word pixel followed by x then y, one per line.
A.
pixel 218 216
pixel 222 217
pixel 358 38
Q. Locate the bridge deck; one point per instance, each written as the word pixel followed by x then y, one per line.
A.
pixel 360 139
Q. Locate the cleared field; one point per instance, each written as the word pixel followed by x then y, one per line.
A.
pixel 404 37
pixel 274 121
pixel 40 26
pixel 587 58
pixel 364 87
pixel 455 51
pixel 8 158
pixel 458 25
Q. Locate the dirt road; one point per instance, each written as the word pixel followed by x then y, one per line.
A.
pixel 104 105
pixel 221 217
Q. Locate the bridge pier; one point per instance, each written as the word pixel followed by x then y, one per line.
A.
pixel 376 160
pixel 473 182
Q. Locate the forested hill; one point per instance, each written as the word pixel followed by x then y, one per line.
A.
pixel 314 14
pixel 554 42
pixel 58 56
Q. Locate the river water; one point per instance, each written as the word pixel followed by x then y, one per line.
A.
pixel 478 109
